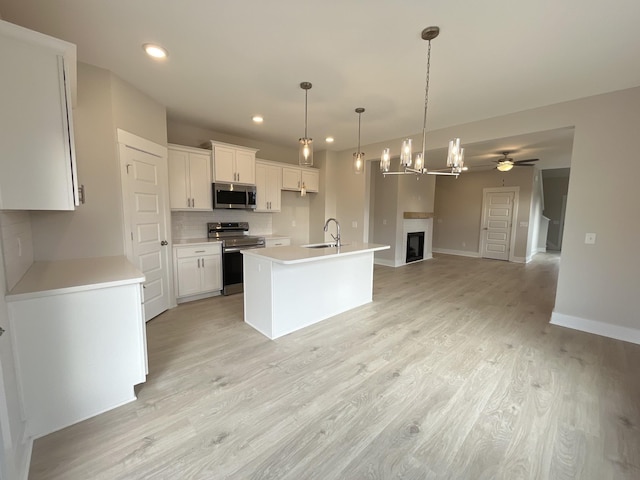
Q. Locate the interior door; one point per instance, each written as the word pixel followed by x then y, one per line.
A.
pixel 145 192
pixel 496 229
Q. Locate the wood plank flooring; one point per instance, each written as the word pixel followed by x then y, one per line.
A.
pixel 452 372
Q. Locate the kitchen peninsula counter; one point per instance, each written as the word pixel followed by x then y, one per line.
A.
pixel 290 287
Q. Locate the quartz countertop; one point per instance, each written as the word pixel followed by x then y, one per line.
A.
pixel 69 276
pixel 300 254
pixel 195 241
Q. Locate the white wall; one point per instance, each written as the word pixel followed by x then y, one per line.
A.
pixel 597 283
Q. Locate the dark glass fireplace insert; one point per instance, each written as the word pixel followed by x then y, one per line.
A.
pixel 415 246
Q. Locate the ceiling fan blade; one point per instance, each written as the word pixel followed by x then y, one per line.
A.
pixel 519 162
pixel 523 165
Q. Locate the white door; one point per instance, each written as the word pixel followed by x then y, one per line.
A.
pixel 145 198
pixel 496 225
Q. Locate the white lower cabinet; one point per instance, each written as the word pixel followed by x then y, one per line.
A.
pixel 197 269
pixel 277 242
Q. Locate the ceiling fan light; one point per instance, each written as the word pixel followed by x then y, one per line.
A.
pixel 505 166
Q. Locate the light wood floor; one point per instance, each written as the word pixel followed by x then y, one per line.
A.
pixel 453 372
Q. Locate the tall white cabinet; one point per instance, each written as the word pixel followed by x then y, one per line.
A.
pixel 38 170
pixel 189 178
pixel 268 186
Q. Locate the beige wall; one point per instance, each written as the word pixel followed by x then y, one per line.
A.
pixel 596 282
pixel 458 208
pixel 194 136
pixel 105 103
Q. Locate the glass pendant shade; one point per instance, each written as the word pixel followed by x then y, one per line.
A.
pixel 504 166
pixel 405 153
pixel 305 156
pixel 455 156
pixel 419 162
pixel 385 160
pixel 358 162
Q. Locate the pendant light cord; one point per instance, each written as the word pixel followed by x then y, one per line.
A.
pixel 306 92
pixel 359 117
pixel 426 104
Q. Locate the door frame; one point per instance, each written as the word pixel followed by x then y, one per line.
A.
pixel 514 217
pixel 129 140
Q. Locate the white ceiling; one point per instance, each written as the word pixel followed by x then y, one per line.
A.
pixel 229 60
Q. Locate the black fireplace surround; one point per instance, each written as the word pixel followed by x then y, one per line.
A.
pixel 415 246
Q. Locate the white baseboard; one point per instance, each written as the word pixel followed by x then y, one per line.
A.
pixel 382 261
pixel 541 250
pixel 25 464
pixel 609 330
pixel 461 253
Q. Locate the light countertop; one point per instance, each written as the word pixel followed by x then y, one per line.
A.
pixel 195 241
pixel 70 276
pixel 298 254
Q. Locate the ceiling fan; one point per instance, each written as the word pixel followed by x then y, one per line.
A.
pixel 505 164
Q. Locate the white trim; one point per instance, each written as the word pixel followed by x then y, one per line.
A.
pixel 520 259
pixel 609 330
pixel 142 144
pixel 540 250
pixel 129 140
pixel 514 217
pixel 461 253
pixel 386 263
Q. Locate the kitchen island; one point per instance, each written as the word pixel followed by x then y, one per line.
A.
pixel 291 287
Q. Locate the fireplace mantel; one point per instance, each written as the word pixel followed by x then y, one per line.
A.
pixel 417 215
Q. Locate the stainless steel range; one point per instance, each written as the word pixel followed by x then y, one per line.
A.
pixel 234 238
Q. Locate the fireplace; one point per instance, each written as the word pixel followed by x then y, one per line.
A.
pixel 415 246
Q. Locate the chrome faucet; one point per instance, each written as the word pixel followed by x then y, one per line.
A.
pixel 336 237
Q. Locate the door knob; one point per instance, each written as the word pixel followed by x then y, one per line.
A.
pixel 164 242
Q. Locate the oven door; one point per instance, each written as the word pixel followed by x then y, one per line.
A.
pixel 232 275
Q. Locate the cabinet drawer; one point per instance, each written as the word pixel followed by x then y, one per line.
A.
pixel 198 250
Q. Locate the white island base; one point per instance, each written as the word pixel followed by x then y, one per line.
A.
pixel 289 288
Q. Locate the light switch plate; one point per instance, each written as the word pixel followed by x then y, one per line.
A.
pixel 590 238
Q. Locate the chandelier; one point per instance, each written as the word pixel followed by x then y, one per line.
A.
pixel 410 164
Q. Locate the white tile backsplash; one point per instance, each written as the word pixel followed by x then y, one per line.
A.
pixel 189 225
pixel 17 245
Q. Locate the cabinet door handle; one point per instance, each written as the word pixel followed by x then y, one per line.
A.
pixel 203 263
pixel 198 263
pixel 193 202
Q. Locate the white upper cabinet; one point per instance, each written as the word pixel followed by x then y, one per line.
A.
pixel 37 156
pixel 189 178
pixel 293 178
pixel 268 186
pixel 310 179
pixel 233 164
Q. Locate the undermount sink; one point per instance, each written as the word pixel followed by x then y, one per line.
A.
pixel 320 245
pixel 324 245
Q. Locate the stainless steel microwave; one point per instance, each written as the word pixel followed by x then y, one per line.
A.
pixel 228 195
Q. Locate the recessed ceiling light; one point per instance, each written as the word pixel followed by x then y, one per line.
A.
pixel 329 139
pixel 257 119
pixel 155 51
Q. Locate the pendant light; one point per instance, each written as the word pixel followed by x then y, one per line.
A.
pixel 358 157
pixel 411 165
pixel 305 156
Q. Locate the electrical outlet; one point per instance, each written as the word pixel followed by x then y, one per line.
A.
pixel 384 221
pixel 354 224
pixel 293 223
pixel 590 238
